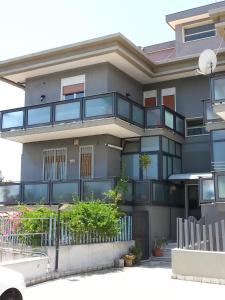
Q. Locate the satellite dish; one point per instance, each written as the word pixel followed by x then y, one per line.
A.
pixel 207 62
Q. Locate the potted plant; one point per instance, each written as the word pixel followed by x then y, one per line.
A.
pixel 129 259
pixel 158 244
pixel 145 162
pixel 137 252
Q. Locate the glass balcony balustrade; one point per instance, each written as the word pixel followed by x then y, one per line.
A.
pixel 90 108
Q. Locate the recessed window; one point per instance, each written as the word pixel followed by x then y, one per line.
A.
pixel 54 164
pixel 195 126
pixel 199 32
pixel 73 87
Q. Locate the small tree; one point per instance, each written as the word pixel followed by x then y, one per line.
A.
pixel 145 162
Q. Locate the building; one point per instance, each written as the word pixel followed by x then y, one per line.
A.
pixel 94 106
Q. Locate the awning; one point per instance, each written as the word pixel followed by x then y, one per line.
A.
pixel 190 176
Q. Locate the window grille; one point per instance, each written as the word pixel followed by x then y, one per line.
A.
pixel 54 164
pixel 86 161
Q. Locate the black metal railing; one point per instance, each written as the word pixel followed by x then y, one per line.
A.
pixel 89 108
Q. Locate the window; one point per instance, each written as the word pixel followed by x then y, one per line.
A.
pixel 54 164
pixel 218 88
pixel 131 166
pixel 152 170
pixel 86 161
pixel 195 126
pixel 150 143
pixel 169 98
pixel 150 98
pixel 73 87
pixel 199 32
pixel 218 149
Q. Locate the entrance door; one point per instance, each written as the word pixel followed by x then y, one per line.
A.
pixel 141 231
pixel 193 207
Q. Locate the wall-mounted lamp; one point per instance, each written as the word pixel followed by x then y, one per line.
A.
pixel 114 147
pixel 42 98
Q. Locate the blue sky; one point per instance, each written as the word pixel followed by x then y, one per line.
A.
pixel 32 25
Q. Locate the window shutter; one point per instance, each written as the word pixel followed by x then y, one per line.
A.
pixel 169 101
pixel 150 102
pixel 74 88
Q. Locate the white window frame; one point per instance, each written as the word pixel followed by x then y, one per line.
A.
pixel 197 25
pixel 149 94
pixel 54 149
pixel 92 158
pixel 70 81
pixel 169 92
pixel 189 136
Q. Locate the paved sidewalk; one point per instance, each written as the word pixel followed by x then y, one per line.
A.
pixel 143 282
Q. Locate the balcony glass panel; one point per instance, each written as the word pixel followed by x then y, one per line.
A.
pixel 179 125
pixel 128 195
pixel 12 119
pixel 100 106
pixel 36 193
pixel 161 193
pixel 169 119
pixel 137 115
pixel 219 153
pixel 153 117
pixel 93 190
pixel 218 135
pixel 150 143
pixel 123 108
pixel 141 192
pixel 39 115
pixel 172 146
pixel 176 165
pixel 208 191
pixel 219 88
pixel 210 115
pixel 221 186
pixel 165 144
pixel 67 111
pixel 9 194
pixel 131 165
pixel 65 192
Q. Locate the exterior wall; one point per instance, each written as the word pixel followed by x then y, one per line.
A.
pixel 193 47
pixel 101 78
pixel 213 213
pixel 106 160
pixel 189 93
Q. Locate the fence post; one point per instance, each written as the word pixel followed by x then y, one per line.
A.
pixel 210 238
pixel 217 237
pixel 198 236
pixel 223 234
pixel 50 232
pixel 180 233
pixel 186 234
pixel 204 237
pixel 192 236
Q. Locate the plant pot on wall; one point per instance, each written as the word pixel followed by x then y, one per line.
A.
pixel 157 252
pixel 129 260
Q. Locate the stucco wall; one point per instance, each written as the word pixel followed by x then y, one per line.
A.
pixel 100 78
pixel 198 265
pixel 106 160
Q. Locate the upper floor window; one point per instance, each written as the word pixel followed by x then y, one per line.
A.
pixel 150 98
pixel 195 126
pixel 218 88
pixel 73 87
pixel 199 32
pixel 169 97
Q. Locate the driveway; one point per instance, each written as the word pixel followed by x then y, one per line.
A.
pixel 129 283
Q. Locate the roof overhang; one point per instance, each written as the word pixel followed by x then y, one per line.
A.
pixel 114 49
pixel 174 23
pixel 190 176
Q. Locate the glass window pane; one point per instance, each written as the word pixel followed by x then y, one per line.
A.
pixel 221 186
pixel 65 192
pixel 170 166
pixel 178 149
pixel 219 88
pixel 164 167
pixel 172 147
pixel 210 115
pixel 137 115
pixel 128 195
pixel 165 144
pixel 154 117
pixel 131 165
pixel 9 194
pixel 123 108
pixel 12 119
pixel 161 193
pixel 150 143
pixel 67 111
pixel 131 146
pixel 218 135
pixel 199 36
pixel 99 106
pixel 152 170
pixel 176 165
pixel 208 190
pixel 36 193
pixel 219 152
pixel 169 119
pixel 93 190
pixel 39 115
pixel 142 191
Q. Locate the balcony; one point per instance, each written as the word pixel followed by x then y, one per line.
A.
pixel 109 113
pixel 218 96
pixel 139 192
pixel 212 120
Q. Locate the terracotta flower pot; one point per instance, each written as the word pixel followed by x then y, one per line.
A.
pixel 128 260
pixel 157 252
